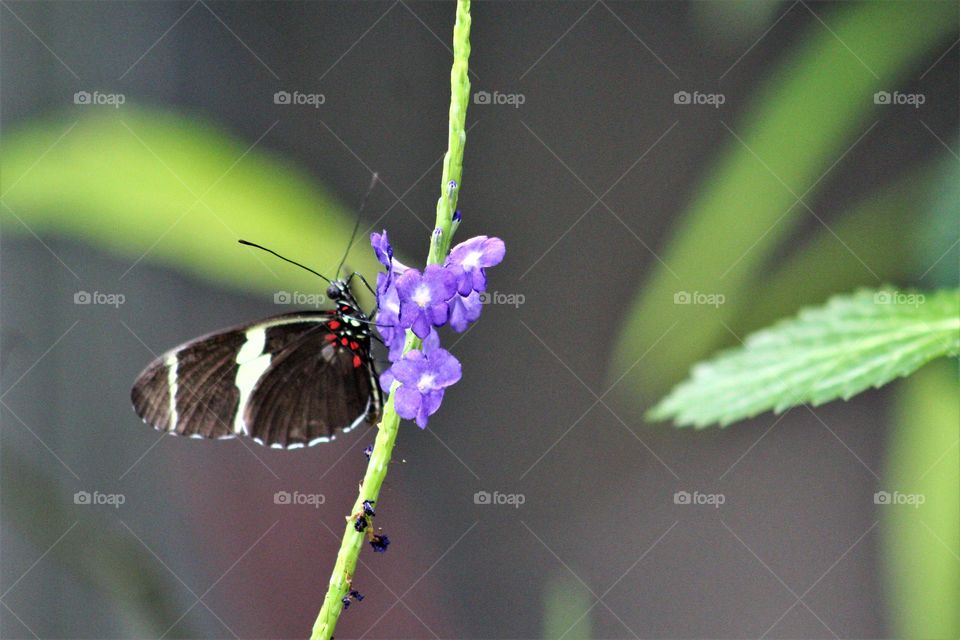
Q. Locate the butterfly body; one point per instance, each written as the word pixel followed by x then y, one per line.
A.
pixel 287 381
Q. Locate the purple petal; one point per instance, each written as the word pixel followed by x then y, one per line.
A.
pixel 421 326
pixel 431 342
pixel 422 416
pixel 407 400
pixel 438 314
pixel 407 283
pixel 386 379
pixel 445 367
pixel 406 371
pixel 409 312
pixel 464 310
pixel 493 252
pixel 441 281
pixel 462 250
pixel 381 246
pixel 431 402
pixel 478 280
pixel 458 315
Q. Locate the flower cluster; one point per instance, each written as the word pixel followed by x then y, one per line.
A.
pixel 421 301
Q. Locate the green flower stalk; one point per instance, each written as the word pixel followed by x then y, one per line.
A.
pixel 342 576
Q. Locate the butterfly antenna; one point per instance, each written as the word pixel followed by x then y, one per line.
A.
pixel 356 225
pixel 251 244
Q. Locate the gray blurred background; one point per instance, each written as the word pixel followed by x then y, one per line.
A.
pixel 199 538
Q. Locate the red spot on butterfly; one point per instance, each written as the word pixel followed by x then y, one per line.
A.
pixel 354 345
pixel 331 337
pixel 334 324
pixel 344 341
pixel 356 362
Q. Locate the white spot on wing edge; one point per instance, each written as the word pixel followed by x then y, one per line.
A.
pixel 253 362
pixel 171 362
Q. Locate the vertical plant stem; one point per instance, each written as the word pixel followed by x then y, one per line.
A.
pixel 342 576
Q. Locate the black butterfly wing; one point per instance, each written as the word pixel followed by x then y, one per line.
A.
pixel 203 388
pixel 319 384
pixel 191 390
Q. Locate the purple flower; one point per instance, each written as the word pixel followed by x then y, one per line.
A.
pixel 424 297
pixel 473 256
pixel 388 316
pixel 381 246
pixel 429 343
pixel 464 310
pixel 423 376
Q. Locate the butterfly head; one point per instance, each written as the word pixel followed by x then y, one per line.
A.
pixel 339 291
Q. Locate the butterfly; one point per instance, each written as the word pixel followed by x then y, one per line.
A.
pixel 287 381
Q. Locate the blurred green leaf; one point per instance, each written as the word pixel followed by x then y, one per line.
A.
pixel 168 189
pixel 566 610
pixel 735 23
pixel 874 231
pixel 836 351
pixel 922 543
pixel 937 253
pixel 813 108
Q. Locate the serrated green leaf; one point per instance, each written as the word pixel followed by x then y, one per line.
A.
pixel 798 123
pixel 835 351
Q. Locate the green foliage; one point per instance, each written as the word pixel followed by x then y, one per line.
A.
pixel 566 610
pixel 835 351
pixel 873 230
pixel 812 109
pixel 169 189
pixel 922 543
